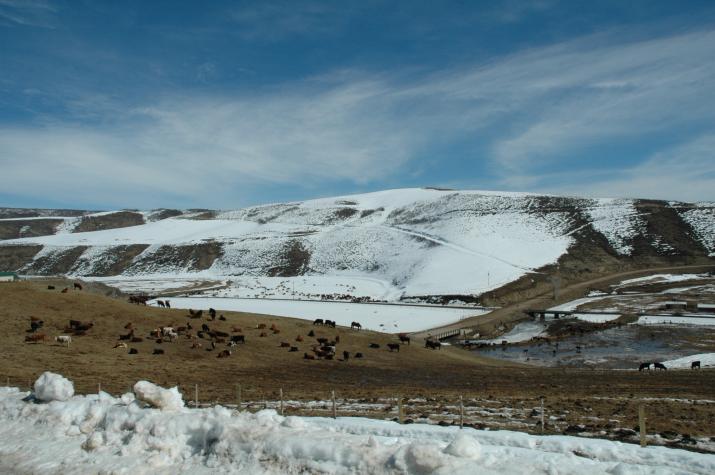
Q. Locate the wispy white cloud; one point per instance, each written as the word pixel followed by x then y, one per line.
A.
pixel 546 105
pixel 28 13
pixel 685 172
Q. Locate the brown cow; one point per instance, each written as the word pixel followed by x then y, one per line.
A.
pixel 37 337
pixel 261 326
pixel 306 356
pixel 299 338
pixel 263 334
pixel 285 344
pixel 224 354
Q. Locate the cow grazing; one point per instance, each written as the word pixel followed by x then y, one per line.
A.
pixel 261 326
pixel 37 337
pixel 293 349
pixel 358 355
pixel 393 346
pixel 66 339
pixel 318 321
pixel 205 328
pixel 157 351
pixel 322 340
pixel 374 345
pixel 355 326
pixel 433 345
pixel 659 366
pixel 129 326
pixel 238 339
pixel 404 338
pixel 224 354
pixel 222 318
pixel 644 366
pixel 65 290
pixel 263 335
pixel 120 345
pixel 167 303
pixel 195 314
pixel 695 365
pixel 212 313
pixel 330 323
pixel 133 351
pixel 285 344
pixel 237 329
pixel 50 287
pixel 306 356
pixel 161 303
pixel 299 338
pixel 77 286
pixel 34 326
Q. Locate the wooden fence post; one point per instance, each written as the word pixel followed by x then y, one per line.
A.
pixel 99 388
pixel 335 412
pixel 461 412
pixel 281 406
pixel 542 415
pixel 196 396
pixel 238 397
pixel 641 423
pixel 399 409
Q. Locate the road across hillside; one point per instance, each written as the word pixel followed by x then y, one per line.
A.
pixel 514 312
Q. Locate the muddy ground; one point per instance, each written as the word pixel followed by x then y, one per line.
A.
pixel 678 402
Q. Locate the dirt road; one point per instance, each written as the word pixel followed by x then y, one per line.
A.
pixel 486 324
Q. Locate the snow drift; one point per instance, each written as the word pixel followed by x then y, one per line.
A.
pixel 53 387
pixel 101 433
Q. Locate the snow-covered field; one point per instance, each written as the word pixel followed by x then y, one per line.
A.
pixel 707 360
pixel 384 318
pixel 104 434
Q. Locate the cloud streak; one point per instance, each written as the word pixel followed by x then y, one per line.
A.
pixel 545 106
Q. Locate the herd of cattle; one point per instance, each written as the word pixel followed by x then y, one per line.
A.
pixel 211 339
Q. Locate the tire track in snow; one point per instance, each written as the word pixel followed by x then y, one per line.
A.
pixel 455 247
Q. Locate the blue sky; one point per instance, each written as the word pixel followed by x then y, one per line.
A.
pixel 227 104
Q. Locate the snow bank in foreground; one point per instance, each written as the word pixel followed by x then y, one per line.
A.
pixel 103 434
pixel 706 360
pixel 53 387
pixel 166 399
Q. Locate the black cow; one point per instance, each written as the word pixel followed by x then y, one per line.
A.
pixel 393 346
pixel 695 364
pixel 659 366
pixel 433 345
pixel 644 366
pixel 238 338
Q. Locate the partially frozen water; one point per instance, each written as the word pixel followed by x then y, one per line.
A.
pixel 614 348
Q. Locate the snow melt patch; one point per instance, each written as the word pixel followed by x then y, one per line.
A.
pixel 164 399
pixel 53 387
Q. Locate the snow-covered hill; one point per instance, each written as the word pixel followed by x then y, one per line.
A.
pixel 410 241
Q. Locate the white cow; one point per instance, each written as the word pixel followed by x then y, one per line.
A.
pixel 64 339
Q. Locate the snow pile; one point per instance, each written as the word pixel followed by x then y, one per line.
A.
pixel 100 433
pixel 706 360
pixel 53 387
pixel 164 399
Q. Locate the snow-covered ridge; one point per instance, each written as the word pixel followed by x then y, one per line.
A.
pixel 414 241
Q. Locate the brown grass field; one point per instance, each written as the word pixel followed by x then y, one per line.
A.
pixel 262 367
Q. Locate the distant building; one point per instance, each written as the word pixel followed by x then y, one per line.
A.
pixel 8 277
pixel 675 305
pixel 706 307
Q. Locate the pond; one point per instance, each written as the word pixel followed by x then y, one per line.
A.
pixel 613 348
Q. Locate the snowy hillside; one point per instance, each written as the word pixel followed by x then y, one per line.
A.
pixel 411 241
